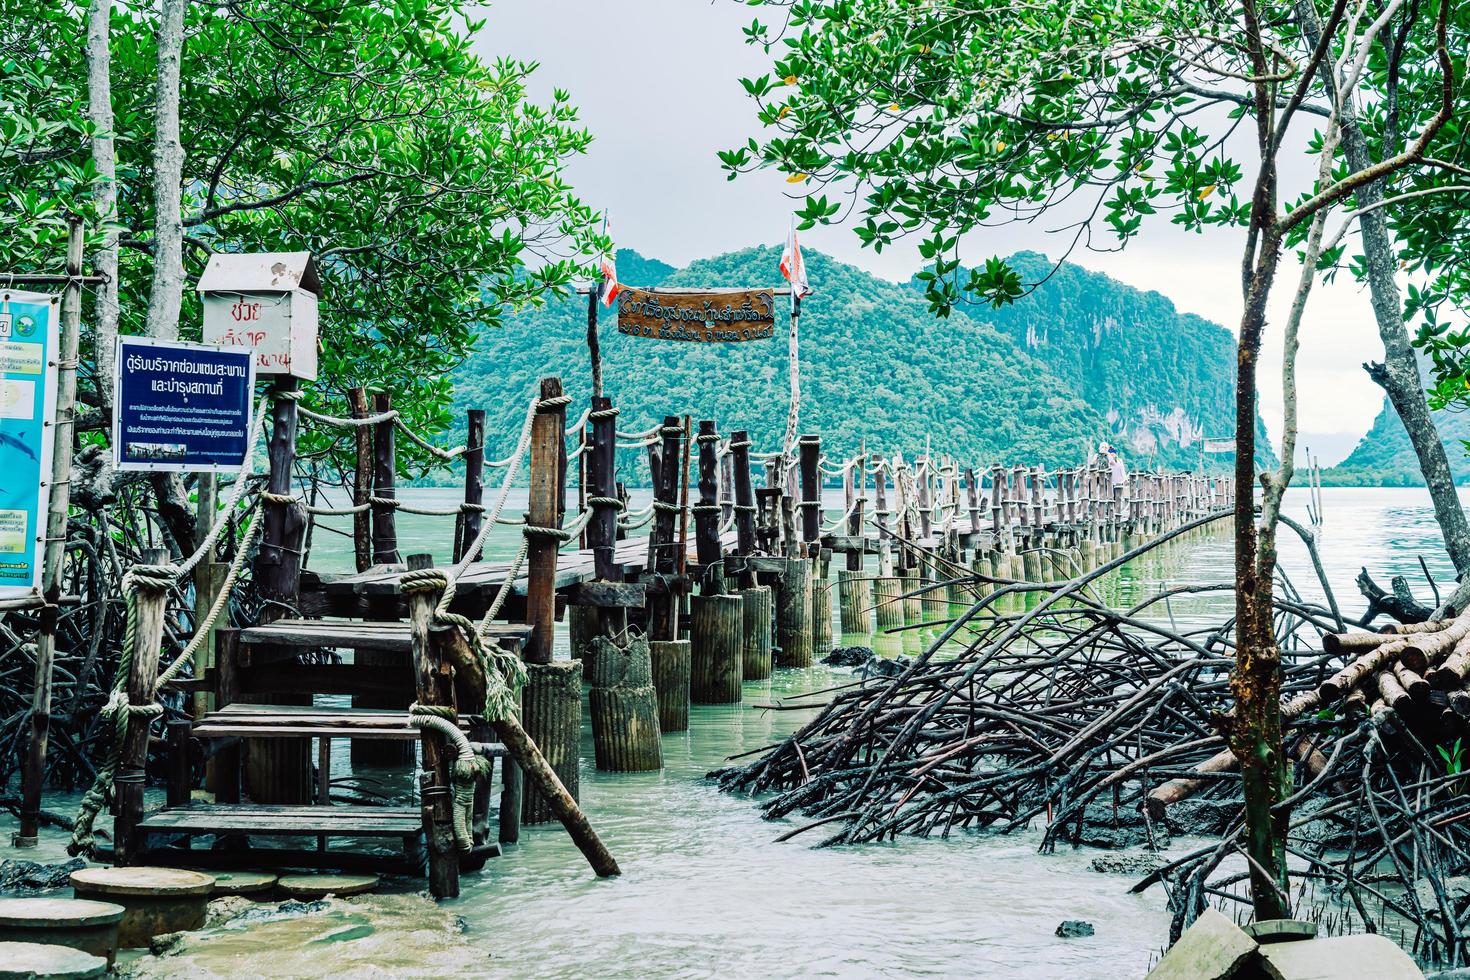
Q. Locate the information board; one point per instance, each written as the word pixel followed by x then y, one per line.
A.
pixel 28 344
pixel 181 407
pixel 704 316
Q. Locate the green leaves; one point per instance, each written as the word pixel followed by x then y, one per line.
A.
pixel 925 116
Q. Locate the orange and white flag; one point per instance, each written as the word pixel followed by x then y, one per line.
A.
pixel 793 267
pixel 610 287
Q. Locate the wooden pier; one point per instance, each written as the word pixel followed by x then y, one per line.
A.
pixel 730 580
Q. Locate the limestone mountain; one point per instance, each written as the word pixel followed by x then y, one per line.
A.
pixel 1082 359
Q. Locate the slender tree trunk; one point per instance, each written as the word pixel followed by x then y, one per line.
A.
pixel 104 158
pixel 1255 683
pixel 168 167
pixel 1399 374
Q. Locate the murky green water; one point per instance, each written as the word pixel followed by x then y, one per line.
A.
pixel 706 892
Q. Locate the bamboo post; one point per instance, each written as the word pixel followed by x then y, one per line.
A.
pixel 670 666
pixel 552 698
pixel 755 634
pixel 385 469
pixel 435 686
pixel 624 707
pixel 362 481
pixel 745 509
pixel 150 608
pixel 59 491
pixel 471 519
pixel 716 626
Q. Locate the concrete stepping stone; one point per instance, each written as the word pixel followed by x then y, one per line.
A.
pixel 1214 948
pixel 311 887
pixel 252 884
pixel 1339 958
pixel 43 961
pixel 78 923
pixel 157 900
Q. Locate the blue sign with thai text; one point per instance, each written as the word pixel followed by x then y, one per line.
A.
pixel 28 339
pixel 182 407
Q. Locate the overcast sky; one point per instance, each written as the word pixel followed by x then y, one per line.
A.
pixel 657 82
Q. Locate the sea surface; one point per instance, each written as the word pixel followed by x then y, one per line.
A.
pixel 706 891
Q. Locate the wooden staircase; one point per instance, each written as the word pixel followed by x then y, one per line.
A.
pixel 261 663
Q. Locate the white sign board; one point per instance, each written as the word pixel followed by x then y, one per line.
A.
pixel 1219 445
pixel 280 327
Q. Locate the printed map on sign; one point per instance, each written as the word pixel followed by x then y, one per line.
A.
pixel 28 336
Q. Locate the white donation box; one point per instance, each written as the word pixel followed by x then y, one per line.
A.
pixel 266 301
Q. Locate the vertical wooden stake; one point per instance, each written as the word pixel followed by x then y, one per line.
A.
pixel 59 490
pixel 151 606
pixel 362 481
pixel 470 521
pixel 385 475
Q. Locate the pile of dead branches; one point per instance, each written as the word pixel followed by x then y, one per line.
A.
pixel 1108 727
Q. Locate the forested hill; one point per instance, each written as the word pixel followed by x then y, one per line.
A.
pixel 1384 456
pixel 876 365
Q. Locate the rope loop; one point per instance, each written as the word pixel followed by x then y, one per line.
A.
pixel 536 531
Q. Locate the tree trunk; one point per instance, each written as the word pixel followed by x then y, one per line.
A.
pixel 168 166
pixel 104 159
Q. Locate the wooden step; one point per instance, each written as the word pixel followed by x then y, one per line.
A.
pixel 287 821
pixel 356 635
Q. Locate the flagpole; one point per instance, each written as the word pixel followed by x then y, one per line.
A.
pixel 794 369
pixel 594 348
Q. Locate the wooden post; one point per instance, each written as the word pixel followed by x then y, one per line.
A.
pixel 151 605
pixel 821 600
pixel 663 621
pixel 707 510
pixel 602 460
pixel 59 493
pixel 745 540
pixel 279 769
pixel 434 685
pixel 385 468
pixel 362 481
pixel 552 699
pixel 810 448
pixel 472 519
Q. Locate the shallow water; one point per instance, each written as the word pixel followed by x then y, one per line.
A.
pixel 704 889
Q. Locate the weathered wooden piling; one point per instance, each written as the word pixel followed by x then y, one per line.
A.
pixel 908 584
pixel 670 668
pixel 584 625
pixel 624 707
pixel 855 600
pixel 755 636
pixel 793 600
pixel 551 702
pixel 434 684
pixel 716 629
pixel 150 607
pixel 821 606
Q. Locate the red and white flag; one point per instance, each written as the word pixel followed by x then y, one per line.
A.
pixel 610 287
pixel 793 267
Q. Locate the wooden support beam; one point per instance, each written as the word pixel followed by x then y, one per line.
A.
pixel 385 469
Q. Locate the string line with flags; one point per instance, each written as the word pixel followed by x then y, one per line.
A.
pixel 793 268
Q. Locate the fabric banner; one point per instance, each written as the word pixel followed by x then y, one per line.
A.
pixel 28 346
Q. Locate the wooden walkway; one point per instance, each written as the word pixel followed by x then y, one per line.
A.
pixel 481 581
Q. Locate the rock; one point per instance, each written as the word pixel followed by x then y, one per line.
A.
pixel 166 943
pixel 1074 929
pixel 848 656
pixel 256 912
pixel 244 883
pixel 1117 838
pixel 1456 893
pixel 1201 818
pixel 1214 948
pixel 28 877
pixel 1127 864
pixel 1339 958
pixel 225 909
pixel 882 667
